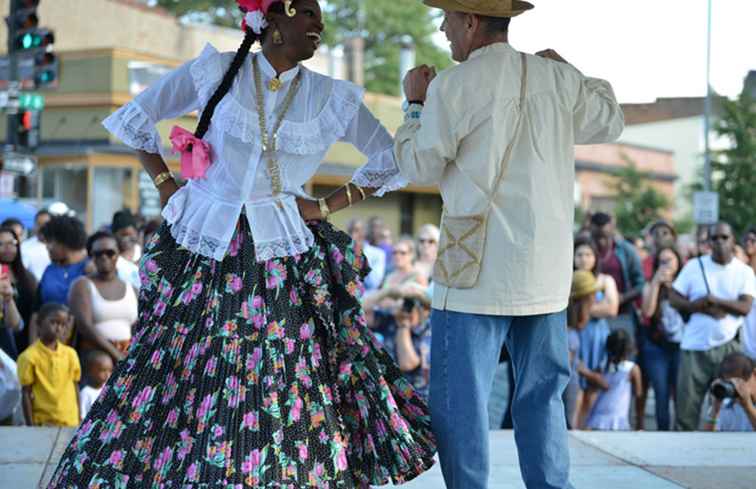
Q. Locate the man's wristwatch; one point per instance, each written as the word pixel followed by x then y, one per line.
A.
pixel 413 109
pixel 409 103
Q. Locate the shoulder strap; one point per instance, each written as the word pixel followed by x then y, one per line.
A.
pixel 703 272
pixel 521 109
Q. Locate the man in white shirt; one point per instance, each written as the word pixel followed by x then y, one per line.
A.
pixel 717 291
pixel 457 133
pixel 375 256
pixel 33 250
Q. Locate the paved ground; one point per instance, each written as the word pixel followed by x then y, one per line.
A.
pixel 635 460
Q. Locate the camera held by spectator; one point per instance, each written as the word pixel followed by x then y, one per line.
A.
pixel 733 405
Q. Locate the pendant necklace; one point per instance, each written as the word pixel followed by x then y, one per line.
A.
pixel 269 141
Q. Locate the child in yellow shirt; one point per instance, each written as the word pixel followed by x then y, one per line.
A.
pixel 49 372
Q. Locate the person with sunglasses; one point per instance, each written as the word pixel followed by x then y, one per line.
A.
pixel 427 249
pixel 717 292
pixel 103 305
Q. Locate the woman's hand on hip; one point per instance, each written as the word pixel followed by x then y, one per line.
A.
pixel 309 209
pixel 166 190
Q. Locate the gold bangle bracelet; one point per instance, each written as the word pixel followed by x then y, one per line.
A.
pixel 362 192
pixel 161 178
pixel 348 194
pixel 324 210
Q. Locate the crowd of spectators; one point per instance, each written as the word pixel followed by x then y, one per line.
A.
pixel 659 313
pixel 686 320
pixel 69 305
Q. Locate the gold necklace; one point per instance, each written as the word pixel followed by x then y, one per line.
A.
pixel 269 142
pixel 274 84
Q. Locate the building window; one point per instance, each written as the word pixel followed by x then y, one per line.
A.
pixel 112 187
pixel 143 74
pixel 67 184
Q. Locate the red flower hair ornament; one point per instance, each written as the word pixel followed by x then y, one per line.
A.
pixel 256 10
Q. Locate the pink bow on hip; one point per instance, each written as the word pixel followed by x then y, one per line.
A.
pixel 195 153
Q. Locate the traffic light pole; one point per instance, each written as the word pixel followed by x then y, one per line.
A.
pixel 12 120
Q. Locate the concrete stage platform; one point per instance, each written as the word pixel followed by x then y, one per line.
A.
pixel 632 460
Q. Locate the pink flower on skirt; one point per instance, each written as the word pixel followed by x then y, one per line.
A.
pixel 116 458
pixel 251 462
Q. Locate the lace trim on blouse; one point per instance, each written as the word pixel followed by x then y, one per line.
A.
pixel 132 125
pixel 386 180
pixel 301 138
pixel 290 246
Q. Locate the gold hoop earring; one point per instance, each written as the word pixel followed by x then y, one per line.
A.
pixel 277 37
pixel 290 12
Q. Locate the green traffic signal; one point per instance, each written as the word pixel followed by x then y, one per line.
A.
pixel 27 41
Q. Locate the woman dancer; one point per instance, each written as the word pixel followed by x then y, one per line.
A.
pixel 251 364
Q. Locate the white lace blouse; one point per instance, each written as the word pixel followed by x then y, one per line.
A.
pixel 204 213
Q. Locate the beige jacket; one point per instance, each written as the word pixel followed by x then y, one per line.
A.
pixel 458 143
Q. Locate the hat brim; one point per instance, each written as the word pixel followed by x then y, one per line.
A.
pixel 517 8
pixel 585 293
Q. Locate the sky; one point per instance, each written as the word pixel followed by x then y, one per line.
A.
pixel 645 48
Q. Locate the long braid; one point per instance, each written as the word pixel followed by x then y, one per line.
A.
pixel 241 54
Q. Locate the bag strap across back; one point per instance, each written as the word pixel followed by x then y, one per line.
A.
pixel 510 147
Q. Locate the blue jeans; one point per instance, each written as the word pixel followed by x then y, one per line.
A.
pixel 660 365
pixel 464 353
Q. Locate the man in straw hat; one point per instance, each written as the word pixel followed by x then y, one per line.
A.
pixel 497 133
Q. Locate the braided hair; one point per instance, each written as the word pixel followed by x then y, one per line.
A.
pixel 619 346
pixel 250 37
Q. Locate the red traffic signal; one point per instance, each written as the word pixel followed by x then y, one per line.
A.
pixel 28 129
pixel 26 120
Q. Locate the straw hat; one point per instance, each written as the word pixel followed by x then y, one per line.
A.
pixel 584 283
pixel 489 8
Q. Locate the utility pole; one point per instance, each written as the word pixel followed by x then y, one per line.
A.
pixel 11 128
pixel 707 105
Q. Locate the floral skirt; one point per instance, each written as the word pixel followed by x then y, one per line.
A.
pixel 245 374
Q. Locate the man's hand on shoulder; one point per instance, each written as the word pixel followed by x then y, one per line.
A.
pixel 416 82
pixel 552 55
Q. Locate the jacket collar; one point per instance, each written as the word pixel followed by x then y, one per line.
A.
pixel 497 47
pixel 270 72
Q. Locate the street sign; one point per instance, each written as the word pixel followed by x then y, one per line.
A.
pixel 7 185
pixel 31 100
pixel 706 207
pixel 19 163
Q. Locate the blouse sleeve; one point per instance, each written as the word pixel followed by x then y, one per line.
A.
pixel 177 93
pixel 367 134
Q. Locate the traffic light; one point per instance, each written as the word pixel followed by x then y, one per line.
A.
pixel 34 39
pixel 37 65
pixel 23 23
pixel 28 129
pixel 45 69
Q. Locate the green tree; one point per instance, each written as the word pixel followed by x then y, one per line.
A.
pixel 383 25
pixel 638 204
pixel 734 169
pixel 219 12
pixel 382 22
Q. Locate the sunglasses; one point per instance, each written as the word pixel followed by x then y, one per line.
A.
pixel 719 237
pixel 106 253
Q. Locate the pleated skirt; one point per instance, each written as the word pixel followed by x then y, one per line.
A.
pixel 245 374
